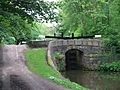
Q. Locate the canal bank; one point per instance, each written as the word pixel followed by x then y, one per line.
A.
pixel 36 62
pixel 94 80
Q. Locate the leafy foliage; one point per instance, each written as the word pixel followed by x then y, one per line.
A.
pixel 17 18
pixel 14 26
pixel 91 17
pixel 114 66
pixel 83 16
pixel 59 61
pixel 28 9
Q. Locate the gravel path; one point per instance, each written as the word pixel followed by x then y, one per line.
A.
pixel 14 75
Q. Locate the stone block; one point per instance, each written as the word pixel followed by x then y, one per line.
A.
pixel 90 43
pixel 95 43
pixel 64 42
pixel 71 42
pixel 78 42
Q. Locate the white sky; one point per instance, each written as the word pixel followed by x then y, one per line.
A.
pixel 52 24
pixel 52 0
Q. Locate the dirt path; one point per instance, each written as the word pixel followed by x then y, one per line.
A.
pixel 14 75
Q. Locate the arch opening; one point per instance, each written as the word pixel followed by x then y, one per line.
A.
pixel 73 59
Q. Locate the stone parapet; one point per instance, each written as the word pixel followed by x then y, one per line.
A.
pixel 38 44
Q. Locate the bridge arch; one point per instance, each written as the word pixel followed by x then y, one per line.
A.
pixel 89 50
pixel 73 59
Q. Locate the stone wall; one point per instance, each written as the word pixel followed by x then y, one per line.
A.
pixel 90 47
pixel 38 44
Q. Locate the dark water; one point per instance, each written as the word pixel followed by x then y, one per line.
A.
pixel 95 80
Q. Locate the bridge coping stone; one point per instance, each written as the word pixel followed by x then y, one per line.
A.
pixel 77 42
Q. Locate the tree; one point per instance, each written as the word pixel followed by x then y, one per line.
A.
pixel 82 16
pixel 28 9
pixel 14 26
pixel 91 17
pixel 17 17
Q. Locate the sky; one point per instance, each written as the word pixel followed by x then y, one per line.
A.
pixel 51 24
pixel 52 0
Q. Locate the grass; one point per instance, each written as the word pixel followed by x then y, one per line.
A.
pixel 36 62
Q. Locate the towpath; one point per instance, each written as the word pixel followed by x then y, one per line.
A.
pixel 14 75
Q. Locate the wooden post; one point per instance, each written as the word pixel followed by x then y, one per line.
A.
pixel 54 34
pixel 72 35
pixel 62 34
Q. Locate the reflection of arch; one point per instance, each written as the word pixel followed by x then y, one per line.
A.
pixel 73 59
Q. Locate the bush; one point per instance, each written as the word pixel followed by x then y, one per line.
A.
pixel 114 66
pixel 59 61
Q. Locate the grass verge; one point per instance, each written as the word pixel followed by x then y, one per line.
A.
pixel 36 62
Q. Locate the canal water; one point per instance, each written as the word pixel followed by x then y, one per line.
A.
pixel 94 80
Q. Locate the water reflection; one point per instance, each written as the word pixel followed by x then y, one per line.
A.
pixel 95 80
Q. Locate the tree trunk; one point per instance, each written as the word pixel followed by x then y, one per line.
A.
pixel 0 40
pixel 18 41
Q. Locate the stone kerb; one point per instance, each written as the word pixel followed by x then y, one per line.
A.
pixel 50 58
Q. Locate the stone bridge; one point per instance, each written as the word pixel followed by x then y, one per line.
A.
pixel 71 54
pixel 74 54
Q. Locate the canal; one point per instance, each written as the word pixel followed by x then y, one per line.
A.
pixel 94 80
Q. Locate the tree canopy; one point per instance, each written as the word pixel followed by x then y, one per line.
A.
pixel 85 17
pixel 14 26
pixel 28 9
pixel 91 17
pixel 17 18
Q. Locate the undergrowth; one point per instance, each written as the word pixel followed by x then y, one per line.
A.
pixel 114 66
